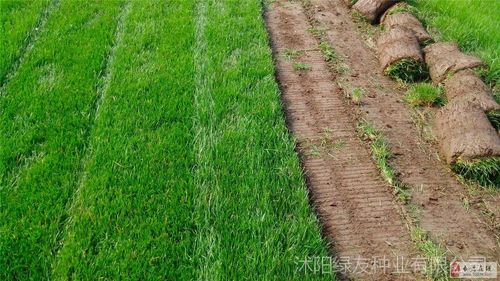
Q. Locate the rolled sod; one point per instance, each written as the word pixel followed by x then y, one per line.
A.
pixel 465 85
pixel 400 55
pixel 465 133
pixel 373 9
pixel 445 59
pixel 401 7
pixel 409 21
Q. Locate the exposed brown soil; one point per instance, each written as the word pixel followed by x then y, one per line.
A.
pixel 467 86
pixel 356 207
pixel 396 44
pixel 465 133
pixel 408 21
pixel 445 58
pixel 372 10
pixel 435 188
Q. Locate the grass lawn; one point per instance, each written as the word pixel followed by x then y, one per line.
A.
pixel 18 19
pixel 46 111
pixel 144 140
pixel 475 25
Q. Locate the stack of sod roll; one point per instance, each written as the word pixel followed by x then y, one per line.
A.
pixel 468 140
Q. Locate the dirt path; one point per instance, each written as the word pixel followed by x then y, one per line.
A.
pixel 356 206
pixel 357 209
pixel 435 189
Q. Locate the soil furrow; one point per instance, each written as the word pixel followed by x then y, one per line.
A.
pixel 434 188
pixel 316 110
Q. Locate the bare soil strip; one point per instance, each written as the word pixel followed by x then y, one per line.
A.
pixel 435 190
pixel 356 207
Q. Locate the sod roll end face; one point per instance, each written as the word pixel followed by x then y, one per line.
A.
pixel 469 142
pixel 484 171
pixel 494 117
pixel 407 70
pixel 400 56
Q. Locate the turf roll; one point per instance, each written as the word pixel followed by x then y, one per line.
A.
pixel 465 133
pixel 465 85
pixel 400 55
pixel 409 21
pixel 400 7
pixel 445 59
pixel 373 9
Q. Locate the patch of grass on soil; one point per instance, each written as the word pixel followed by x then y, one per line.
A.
pixel 301 66
pixel 357 95
pixel 329 53
pixel 291 54
pixel 382 154
pixel 436 266
pixel 424 94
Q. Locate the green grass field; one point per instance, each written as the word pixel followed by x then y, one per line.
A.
pixel 19 21
pixel 474 25
pixel 144 140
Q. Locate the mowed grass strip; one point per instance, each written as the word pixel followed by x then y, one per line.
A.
pixel 46 111
pixel 132 217
pixel 475 25
pixel 18 21
pixel 191 178
pixel 253 220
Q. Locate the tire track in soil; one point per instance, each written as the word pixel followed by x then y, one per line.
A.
pixel 357 208
pixel 435 188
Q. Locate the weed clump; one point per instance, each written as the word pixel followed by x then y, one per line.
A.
pixel 357 95
pixel 291 54
pixel 301 66
pixel 328 52
pixel 408 70
pixel 425 94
